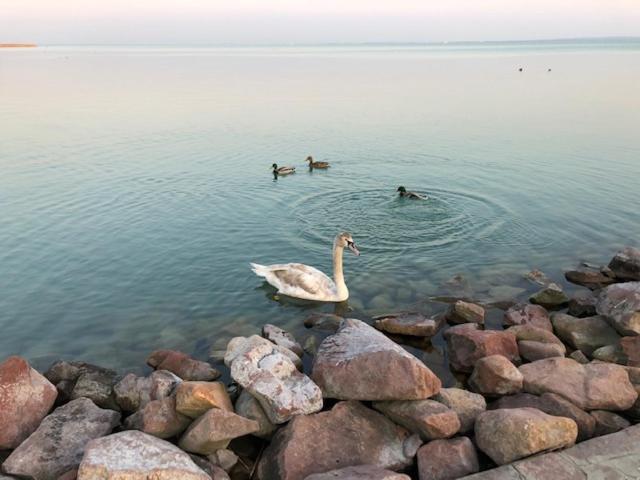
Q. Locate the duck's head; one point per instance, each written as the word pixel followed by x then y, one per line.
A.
pixel 309 159
pixel 345 240
pixel 401 190
pixel 274 166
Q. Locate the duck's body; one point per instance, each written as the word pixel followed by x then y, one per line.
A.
pixel 308 283
pixel 314 164
pixel 403 192
pixel 282 170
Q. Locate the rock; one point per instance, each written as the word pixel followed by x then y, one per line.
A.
pixel 134 455
pixel 159 418
pixel 195 398
pixel 282 338
pixel 536 343
pixel 360 363
pixel 238 345
pixel 360 472
pixel 447 459
pixel 25 398
pixel 97 385
pixel 594 386
pixel 465 312
pixel 467 405
pixel 215 472
pixel 133 393
pixel 611 354
pixel 583 304
pixel 182 365
pixel 70 475
pixel 631 348
pixel 466 346
pixel 579 357
pixel 528 314
pixel 506 435
pixel 634 411
pixel 626 264
pixel 608 422
pixel 224 458
pixel 407 323
pixel 347 435
pixel 539 277
pixel 323 321
pixel 70 371
pixel 58 444
pixel 584 334
pixel 550 297
pixel 248 407
pixel 214 430
pixel 430 419
pixel 620 304
pixel 592 279
pixel 271 377
pixel 495 375
pixel 310 346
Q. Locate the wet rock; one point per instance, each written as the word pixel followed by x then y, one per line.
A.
pixel 430 419
pixel 608 422
pixel 224 458
pixel 506 435
pixel 466 346
pixel 584 334
pixel 182 365
pixel 97 385
pixel 579 357
pixel 269 375
pixel 626 264
pixel 58 444
pixel 248 407
pixel 631 349
pixel 360 363
pixel 495 375
pixel 592 279
pixel 134 455
pixel 348 435
pixel 407 323
pixel 465 312
pixel 323 321
pixel 467 405
pixel 310 346
pixel 282 338
pixel 538 277
pixel 195 398
pixel 528 314
pixel 25 398
pixel 594 386
pixel 133 393
pixel 360 472
pixel 447 459
pixel 611 354
pixel 71 371
pixel 159 418
pixel 583 304
pixel 620 304
pixel 550 297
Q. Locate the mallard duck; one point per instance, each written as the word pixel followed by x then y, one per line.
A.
pixel 302 281
pixel 413 195
pixel 313 164
pixel 282 170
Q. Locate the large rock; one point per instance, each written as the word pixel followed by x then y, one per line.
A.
pixel 594 386
pixel 414 324
pixel 584 334
pixel 272 378
pixel 348 435
pixel 620 304
pixel 506 435
pixel 467 405
pixel 134 455
pixel 360 472
pixel 468 345
pixel 182 365
pixel 430 419
pixel 447 459
pixel 465 312
pixel 494 376
pixel 248 407
pixel 582 304
pixel 25 398
pixel 282 338
pixel 608 422
pixel 626 264
pixel 631 348
pixel 195 398
pixel 159 418
pixel 528 314
pixel 592 279
pixel 360 363
pixel 550 297
pixel 214 430
pixel 133 393
pixel 58 444
pixel 537 343
pixel 97 385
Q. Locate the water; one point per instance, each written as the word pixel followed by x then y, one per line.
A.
pixel 135 185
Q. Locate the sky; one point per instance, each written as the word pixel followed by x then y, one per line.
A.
pixel 191 22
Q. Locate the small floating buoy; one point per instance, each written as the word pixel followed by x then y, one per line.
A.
pixel 520 69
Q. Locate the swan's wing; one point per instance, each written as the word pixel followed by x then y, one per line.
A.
pixel 297 280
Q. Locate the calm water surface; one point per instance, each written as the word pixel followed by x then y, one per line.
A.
pixel 135 185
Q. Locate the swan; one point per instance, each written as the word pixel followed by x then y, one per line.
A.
pixel 314 164
pixel 302 281
pixel 413 195
pixel 282 170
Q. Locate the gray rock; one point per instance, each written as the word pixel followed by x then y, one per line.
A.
pixel 282 338
pixel 608 422
pixel 248 407
pixel 584 334
pixel 550 297
pixel 133 393
pixel 407 323
pixel 620 304
pixel 467 405
pixel 582 304
pixel 98 387
pixel 626 264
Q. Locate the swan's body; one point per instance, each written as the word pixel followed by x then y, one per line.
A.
pixel 308 283
pixel 314 164
pixel 282 170
pixel 412 195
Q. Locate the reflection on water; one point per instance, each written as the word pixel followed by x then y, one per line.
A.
pixel 135 185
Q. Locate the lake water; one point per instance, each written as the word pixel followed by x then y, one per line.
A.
pixel 135 186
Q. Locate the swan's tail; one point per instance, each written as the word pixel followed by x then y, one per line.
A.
pixel 259 270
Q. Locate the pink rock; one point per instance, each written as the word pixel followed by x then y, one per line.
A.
pixel 182 365
pixel 159 418
pixel 467 345
pixel 528 314
pixel 430 419
pixel 447 459
pixel 495 375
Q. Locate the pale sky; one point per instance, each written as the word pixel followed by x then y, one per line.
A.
pixel 306 21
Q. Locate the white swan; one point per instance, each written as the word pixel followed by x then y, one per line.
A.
pixel 308 283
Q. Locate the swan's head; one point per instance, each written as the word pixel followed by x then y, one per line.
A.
pixel 402 190
pixel 309 159
pixel 345 240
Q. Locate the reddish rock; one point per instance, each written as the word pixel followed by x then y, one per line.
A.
pixel 282 338
pixel 494 376
pixel 447 459
pixel 631 348
pixel 536 343
pixel 465 312
pixel 592 279
pixel 467 405
pixel 25 398
pixel 430 419
pixel 626 264
pixel 195 398
pixel 214 430
pixel 528 314
pixel 620 304
pixel 407 323
pixel 608 422
pixel 466 346
pixel 159 418
pixel 182 365
pixel 361 472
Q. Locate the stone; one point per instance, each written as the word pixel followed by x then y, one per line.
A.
pixel 214 430
pixel 248 407
pixel 132 392
pixel 495 375
pixel 506 435
pixel 215 472
pixel 159 418
pixel 69 475
pixel 631 348
pixel 465 312
pixel 97 385
pixel 360 363
pixel 620 304
pixel 634 411
pixel 608 422
pixel 414 324
pixel 195 398
pixel 25 398
pixel 360 472
pixel 579 357
pixel 538 277
pixel 70 371
pixel 592 279
pixel 224 458
pixel 466 346
pixel 550 297
pixel 626 264
pixel 467 405
pixel 349 434
pixel 270 376
pixel 323 321
pixel 536 343
pixel 594 386
pixel 447 459
pixel 430 419
pixel 582 304
pixel 134 455
pixel 584 334
pixel 528 314
pixel 283 338
pixel 238 345
pixel 611 354
pixel 182 365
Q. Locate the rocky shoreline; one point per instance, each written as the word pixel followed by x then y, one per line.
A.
pixel 564 370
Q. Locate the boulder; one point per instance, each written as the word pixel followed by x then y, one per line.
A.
pixel 550 297
pixel 594 386
pixel 608 422
pixel 239 345
pixel 620 304
pixel 323 321
pixel 248 407
pixel 195 398
pixel 584 334
pixel 159 418
pixel 134 455
pixel 631 348
pixel 283 338
pixel 347 435
pixel 360 472
pixel 467 405
pixel 97 385
pixel 582 304
pixel 538 277
pixel 133 393
pixel 592 279
pixel 495 375
pixel 58 444
pixel 430 419
pixel 467 345
pixel 182 365
pixel 611 354
pixel 62 370
pixel 25 398
pixel 360 363
pixel 536 343
pixel 626 264
pixel 414 324
pixel 506 435
pixel 528 314
pixel 465 312
pixel 447 459
pixel 214 430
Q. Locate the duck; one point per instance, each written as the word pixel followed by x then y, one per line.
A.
pixel 301 281
pixel 313 164
pixel 413 195
pixel 282 170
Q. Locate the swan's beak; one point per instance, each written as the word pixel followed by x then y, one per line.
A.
pixel 352 247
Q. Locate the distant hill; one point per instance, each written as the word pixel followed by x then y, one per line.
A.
pixel 17 45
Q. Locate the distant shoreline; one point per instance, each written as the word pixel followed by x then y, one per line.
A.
pixel 18 45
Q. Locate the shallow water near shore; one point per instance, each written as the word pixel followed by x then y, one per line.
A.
pixel 135 185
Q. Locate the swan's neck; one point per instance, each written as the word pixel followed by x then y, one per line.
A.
pixel 338 275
